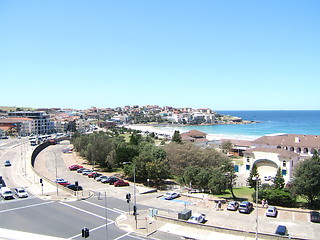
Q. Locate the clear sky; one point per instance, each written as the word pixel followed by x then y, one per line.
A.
pixel 224 55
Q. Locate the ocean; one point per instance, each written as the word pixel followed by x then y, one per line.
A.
pixel 269 122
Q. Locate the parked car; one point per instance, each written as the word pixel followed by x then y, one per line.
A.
pixel 271 212
pixel 74 167
pixel 111 180
pixel 171 195
pixel 197 218
pixel 6 193
pixel 64 183
pixel 60 180
pixel 86 172
pixel 245 207
pixel 74 187
pixel 100 178
pixel 120 183
pixel 94 175
pixel 79 170
pixel 281 230
pixel 7 163
pixel 315 217
pixel 267 178
pixel 21 192
pixel 233 206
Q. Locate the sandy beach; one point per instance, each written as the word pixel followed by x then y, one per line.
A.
pixel 170 130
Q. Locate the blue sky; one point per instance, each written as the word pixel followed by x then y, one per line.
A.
pixel 225 55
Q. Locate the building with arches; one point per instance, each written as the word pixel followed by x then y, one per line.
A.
pixel 282 150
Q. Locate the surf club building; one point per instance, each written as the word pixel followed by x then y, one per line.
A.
pixel 282 150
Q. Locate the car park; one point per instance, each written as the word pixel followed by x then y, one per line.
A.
pixel 271 212
pixel 21 192
pixel 197 218
pixel 233 206
pixel 171 195
pixel 7 163
pixel 315 216
pixel 281 230
pixel 245 207
pixel 74 167
pixel 74 187
pixel 120 183
pixel 6 193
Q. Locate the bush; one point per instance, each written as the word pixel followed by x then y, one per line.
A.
pixel 278 197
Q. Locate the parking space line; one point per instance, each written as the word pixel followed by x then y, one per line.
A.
pixel 18 208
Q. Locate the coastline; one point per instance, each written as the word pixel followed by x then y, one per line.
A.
pixel 168 130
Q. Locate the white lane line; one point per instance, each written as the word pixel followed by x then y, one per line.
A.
pixel 122 236
pixel 85 211
pixel 18 208
pixel 119 210
pixel 110 209
pixel 91 230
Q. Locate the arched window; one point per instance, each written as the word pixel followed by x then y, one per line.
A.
pixel 305 150
pixel 312 150
pixel 279 147
pixel 291 149
pixel 298 150
pixel 284 163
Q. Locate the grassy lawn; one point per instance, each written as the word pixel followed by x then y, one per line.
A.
pixel 242 193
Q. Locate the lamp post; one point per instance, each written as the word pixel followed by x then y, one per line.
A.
pixel 55 159
pixel 135 210
pixel 257 195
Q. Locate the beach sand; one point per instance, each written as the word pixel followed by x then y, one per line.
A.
pixel 170 130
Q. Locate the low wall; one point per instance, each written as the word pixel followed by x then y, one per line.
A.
pixel 34 155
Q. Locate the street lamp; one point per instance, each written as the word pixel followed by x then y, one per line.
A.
pixel 135 210
pixel 257 195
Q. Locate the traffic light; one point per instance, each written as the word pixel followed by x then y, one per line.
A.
pixel 41 180
pixel 85 232
pixel 128 197
pixel 134 210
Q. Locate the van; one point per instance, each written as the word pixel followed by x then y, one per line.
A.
pixel 245 207
pixel 6 193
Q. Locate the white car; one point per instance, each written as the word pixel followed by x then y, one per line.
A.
pixel 197 218
pixel 6 193
pixel 60 180
pixel 86 172
pixel 21 192
pixel 271 212
pixel 171 195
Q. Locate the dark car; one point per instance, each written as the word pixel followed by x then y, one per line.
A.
pixel 74 187
pixel 110 180
pixel 282 230
pixel 245 207
pixel 7 163
pixel 80 170
pixel 315 217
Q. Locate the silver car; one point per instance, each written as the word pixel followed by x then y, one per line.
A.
pixel 271 212
pixel 171 195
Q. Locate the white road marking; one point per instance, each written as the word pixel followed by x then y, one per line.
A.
pixel 110 209
pixel 85 211
pixel 18 208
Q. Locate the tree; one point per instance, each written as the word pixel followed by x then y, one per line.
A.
pixel 176 137
pixel 217 183
pixel 254 173
pixel 226 146
pixel 307 179
pixel 279 182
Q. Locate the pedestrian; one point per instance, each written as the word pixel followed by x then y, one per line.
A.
pixel 266 203
pixel 263 202
pixel 219 205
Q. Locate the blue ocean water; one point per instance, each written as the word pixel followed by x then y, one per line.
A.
pixel 269 122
